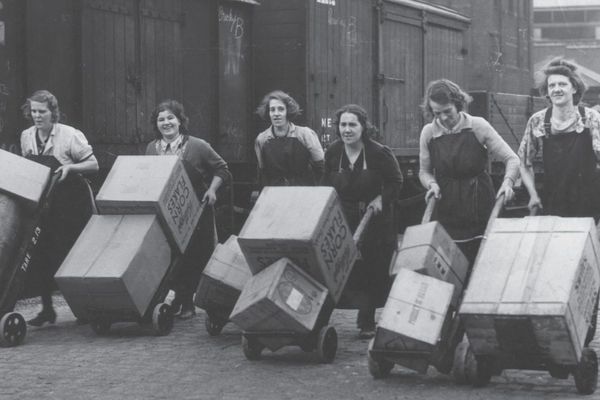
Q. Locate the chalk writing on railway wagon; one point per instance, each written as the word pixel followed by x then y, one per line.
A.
pixel 232 47
pixel 236 22
pixel 347 24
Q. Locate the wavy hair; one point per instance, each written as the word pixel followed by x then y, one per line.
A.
pixel 369 131
pixel 291 105
pixel 177 109
pixel 444 91
pixel 42 96
pixel 560 66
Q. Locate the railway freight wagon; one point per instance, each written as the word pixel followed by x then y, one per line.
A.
pixel 379 54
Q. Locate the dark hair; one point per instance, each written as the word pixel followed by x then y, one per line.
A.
pixel 291 105
pixel 361 114
pixel 177 109
pixel 444 91
pixel 42 96
pixel 560 66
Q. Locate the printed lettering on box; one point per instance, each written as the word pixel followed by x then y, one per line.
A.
pixel 294 299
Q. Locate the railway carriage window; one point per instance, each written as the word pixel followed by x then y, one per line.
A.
pixel 542 16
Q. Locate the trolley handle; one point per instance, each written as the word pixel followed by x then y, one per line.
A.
pixel 362 226
pixel 431 203
pixel 495 213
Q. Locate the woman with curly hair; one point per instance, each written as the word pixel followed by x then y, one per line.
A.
pixel 287 154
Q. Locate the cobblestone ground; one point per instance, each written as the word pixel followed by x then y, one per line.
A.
pixel 69 361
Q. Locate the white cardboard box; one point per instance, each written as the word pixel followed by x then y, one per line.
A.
pixel 429 250
pixel 153 185
pixel 305 224
pixel 414 316
pixel 115 266
pixel 533 288
pixel 282 297
pixel 23 178
pixel 223 278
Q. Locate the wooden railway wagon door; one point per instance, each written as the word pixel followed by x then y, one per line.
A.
pixel 416 45
pixel 340 54
pixel 131 53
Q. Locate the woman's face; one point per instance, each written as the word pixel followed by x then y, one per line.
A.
pixel 277 113
pixel 41 115
pixel 560 90
pixel 167 124
pixel 350 128
pixel 447 114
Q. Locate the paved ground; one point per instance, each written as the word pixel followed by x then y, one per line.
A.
pixel 68 361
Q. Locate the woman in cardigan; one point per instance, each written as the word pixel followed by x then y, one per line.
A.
pixel 207 171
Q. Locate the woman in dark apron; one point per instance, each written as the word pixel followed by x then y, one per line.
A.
pixel 454 152
pixel 207 172
pixel 569 138
pixel 365 174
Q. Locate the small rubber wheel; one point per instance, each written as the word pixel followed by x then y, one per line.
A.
pixel 459 372
pixel 252 348
pixel 13 329
pixel 478 369
pixel 559 371
pixel 162 319
pixel 586 372
pixel 100 326
pixel 327 344
pixel 379 369
pixel 214 326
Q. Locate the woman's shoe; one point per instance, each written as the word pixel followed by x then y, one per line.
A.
pixel 48 315
pixel 366 333
pixel 187 311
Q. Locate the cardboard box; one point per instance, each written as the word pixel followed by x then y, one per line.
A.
pixel 532 290
pixel 282 297
pixel 116 266
pixel 305 224
pixel 23 178
pixel 414 318
pixel 429 250
pixel 223 278
pixel 153 185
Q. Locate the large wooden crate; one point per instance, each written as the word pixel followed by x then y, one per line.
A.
pixel 153 185
pixel 116 266
pixel 414 319
pixel 305 224
pixel 23 178
pixel 281 298
pixel 429 250
pixel 533 289
pixel 223 278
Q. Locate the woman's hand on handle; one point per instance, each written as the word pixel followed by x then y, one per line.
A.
pixel 507 190
pixel 210 197
pixel 535 204
pixel 434 190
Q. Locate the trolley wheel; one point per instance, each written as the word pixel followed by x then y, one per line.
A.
pixel 586 372
pixel 252 348
pixel 13 329
pixel 213 325
pixel 478 369
pixel 162 319
pixel 379 369
pixel 592 329
pixel 100 326
pixel 559 371
pixel 327 344
pixel 459 372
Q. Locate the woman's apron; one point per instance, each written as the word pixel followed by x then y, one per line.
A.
pixel 286 162
pixel 369 278
pixel 570 177
pixel 467 193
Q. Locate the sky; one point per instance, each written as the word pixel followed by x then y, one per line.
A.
pixel 565 3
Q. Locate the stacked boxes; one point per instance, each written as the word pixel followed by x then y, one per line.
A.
pixel 148 210
pixel 281 297
pixel 533 290
pixel 305 224
pixel 429 250
pixel 223 278
pixel 415 317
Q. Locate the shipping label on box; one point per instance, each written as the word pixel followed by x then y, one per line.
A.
pixel 428 249
pixel 115 266
pixel 305 224
pixel 153 184
pixel 541 273
pixel 23 178
pixel 281 297
pixel 414 314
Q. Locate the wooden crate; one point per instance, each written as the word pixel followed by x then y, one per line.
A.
pixel 429 250
pixel 305 224
pixel 23 178
pixel 533 288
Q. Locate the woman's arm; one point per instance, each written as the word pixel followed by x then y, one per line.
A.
pixel 426 175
